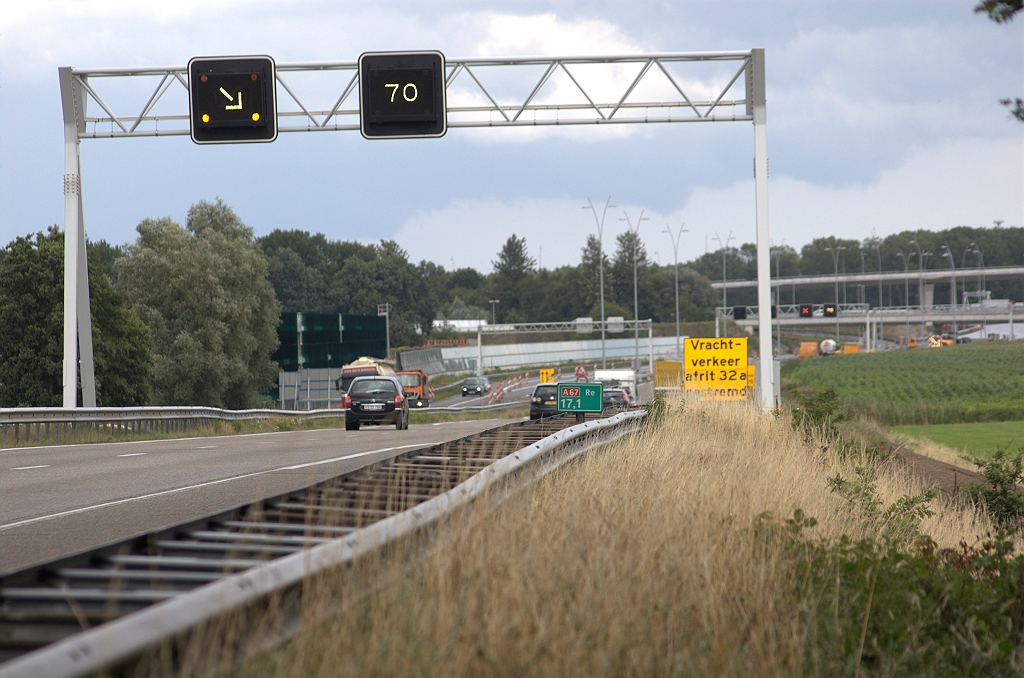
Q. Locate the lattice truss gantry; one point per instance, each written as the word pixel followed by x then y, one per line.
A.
pixel 481 92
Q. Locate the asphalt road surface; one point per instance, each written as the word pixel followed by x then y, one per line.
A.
pixel 522 393
pixel 61 499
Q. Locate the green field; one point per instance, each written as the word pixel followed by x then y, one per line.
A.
pixel 977 438
pixel 949 385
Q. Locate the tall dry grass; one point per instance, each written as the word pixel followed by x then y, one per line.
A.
pixel 639 559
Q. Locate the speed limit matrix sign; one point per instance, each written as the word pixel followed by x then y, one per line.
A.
pixel 402 95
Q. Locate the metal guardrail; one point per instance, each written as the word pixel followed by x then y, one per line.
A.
pixel 118 641
pixel 58 422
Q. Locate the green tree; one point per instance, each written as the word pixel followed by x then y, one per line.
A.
pixel 1002 12
pixel 204 293
pixel 32 329
pixel 513 265
pixel 592 257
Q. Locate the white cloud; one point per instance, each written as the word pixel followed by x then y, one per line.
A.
pixel 970 182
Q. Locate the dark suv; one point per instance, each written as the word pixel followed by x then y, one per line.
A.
pixel 375 400
pixel 474 386
pixel 544 402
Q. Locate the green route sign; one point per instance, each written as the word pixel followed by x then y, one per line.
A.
pixel 580 397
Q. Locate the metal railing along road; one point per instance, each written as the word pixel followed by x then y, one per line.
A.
pixel 43 423
pixel 102 609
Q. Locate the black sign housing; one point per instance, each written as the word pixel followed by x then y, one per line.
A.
pixel 232 99
pixel 402 95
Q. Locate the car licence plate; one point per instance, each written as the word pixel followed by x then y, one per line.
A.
pixel 373 407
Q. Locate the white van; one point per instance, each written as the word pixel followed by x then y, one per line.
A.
pixel 624 379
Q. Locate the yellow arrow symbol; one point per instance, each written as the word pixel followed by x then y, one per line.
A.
pixel 236 107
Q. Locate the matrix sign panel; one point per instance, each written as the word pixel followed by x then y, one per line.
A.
pixel 232 99
pixel 580 397
pixel 402 95
pixel 716 368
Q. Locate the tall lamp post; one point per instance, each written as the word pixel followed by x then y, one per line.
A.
pixel 636 297
pixel 948 254
pixel 385 310
pixel 494 310
pixel 600 264
pixel 675 252
pixel 906 293
pixel 835 266
pixel 881 318
pixel 724 246
pixel 778 300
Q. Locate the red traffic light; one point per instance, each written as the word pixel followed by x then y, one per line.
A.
pixel 806 310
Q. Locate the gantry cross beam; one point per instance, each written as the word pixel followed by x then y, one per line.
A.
pixel 482 92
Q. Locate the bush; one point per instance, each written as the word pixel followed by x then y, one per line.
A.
pixel 1002 497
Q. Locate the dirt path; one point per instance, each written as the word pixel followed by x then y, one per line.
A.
pixel 949 479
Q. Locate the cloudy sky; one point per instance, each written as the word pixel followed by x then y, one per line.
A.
pixel 882 116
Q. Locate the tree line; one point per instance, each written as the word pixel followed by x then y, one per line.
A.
pixel 187 314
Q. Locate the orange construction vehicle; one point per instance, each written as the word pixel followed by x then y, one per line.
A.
pixel 414 383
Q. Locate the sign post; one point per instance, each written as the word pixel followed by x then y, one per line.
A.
pixel 580 398
pixel 717 368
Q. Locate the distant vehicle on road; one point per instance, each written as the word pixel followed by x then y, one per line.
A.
pixel 544 402
pixel 621 379
pixel 376 401
pixel 476 386
pixel 827 347
pixel 414 385
pixel 615 398
pixel 363 367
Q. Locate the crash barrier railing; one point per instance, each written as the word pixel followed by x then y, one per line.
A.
pixel 120 640
pixel 47 423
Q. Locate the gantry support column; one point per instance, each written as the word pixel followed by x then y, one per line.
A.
pixel 77 312
pixel 757 99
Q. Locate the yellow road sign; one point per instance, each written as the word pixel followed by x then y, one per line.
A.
pixel 716 368
pixel 668 374
pixel 547 376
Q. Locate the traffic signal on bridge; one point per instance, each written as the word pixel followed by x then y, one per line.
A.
pixel 232 99
pixel 402 95
pixel 831 311
pixel 806 311
pixel 739 312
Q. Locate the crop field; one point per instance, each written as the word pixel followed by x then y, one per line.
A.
pixel 978 438
pixel 954 384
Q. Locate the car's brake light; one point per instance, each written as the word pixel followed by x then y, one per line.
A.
pixel 346 401
pixel 398 400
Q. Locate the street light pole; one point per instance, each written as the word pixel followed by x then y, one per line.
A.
pixel 494 312
pixel 881 321
pixel 600 265
pixel 675 252
pixel 725 246
pixel 636 297
pixel 385 310
pixel 906 294
pixel 948 253
pixel 835 268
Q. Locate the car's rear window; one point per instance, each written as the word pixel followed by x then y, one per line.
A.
pixel 545 391
pixel 372 386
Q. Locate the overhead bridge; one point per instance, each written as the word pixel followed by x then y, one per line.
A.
pixel 938 275
pixel 788 315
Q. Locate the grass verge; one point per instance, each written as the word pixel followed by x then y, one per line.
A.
pixel 721 542
pixel 974 438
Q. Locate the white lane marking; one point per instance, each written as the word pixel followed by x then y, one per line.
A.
pixel 231 436
pixel 206 447
pixel 25 468
pixel 133 454
pixel 118 502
